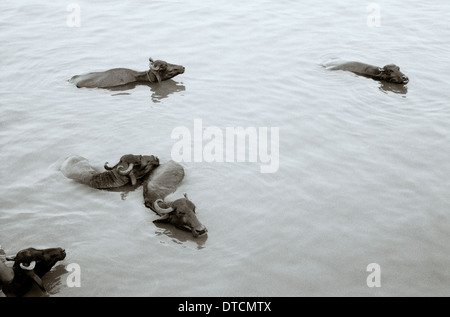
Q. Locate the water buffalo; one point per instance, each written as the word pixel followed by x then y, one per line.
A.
pixel 161 182
pixel 30 265
pixel 6 273
pixel 389 73
pixel 158 71
pixel 128 170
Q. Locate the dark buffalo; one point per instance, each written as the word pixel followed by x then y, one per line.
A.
pixel 30 265
pixel 389 73
pixel 162 181
pixel 6 273
pixel 158 71
pixel 128 170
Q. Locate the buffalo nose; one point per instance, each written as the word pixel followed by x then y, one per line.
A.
pixel 201 231
pixel 405 79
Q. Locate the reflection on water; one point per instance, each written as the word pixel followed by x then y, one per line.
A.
pixel 395 88
pixel 159 91
pixel 53 281
pixel 166 88
pixel 180 236
pixel 126 189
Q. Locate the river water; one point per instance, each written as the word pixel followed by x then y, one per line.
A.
pixel 363 169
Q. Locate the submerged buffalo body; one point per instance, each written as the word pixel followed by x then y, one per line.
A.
pixel 158 71
pixel 164 180
pixel 30 265
pixel 389 73
pixel 128 170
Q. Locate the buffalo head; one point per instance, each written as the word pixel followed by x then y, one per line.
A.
pixel 133 167
pixel 163 70
pixel 30 265
pixel 180 213
pixel 391 73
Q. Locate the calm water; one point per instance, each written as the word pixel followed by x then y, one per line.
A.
pixel 364 168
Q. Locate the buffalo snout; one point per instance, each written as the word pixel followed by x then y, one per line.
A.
pixel 392 73
pixel 181 214
pixel 167 71
pixel 149 160
pixel 184 217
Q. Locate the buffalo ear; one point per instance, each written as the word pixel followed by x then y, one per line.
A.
pixel 163 219
pixel 36 278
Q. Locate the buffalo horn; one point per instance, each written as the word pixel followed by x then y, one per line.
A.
pixel 30 267
pixel 154 68
pixel 160 210
pixel 125 172
pixel 151 65
pixel 107 167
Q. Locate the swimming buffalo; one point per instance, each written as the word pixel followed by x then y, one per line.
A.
pixel 161 182
pixel 158 71
pixel 128 170
pixel 389 73
pixel 30 265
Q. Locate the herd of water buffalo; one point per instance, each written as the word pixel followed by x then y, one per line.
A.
pixel 158 180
